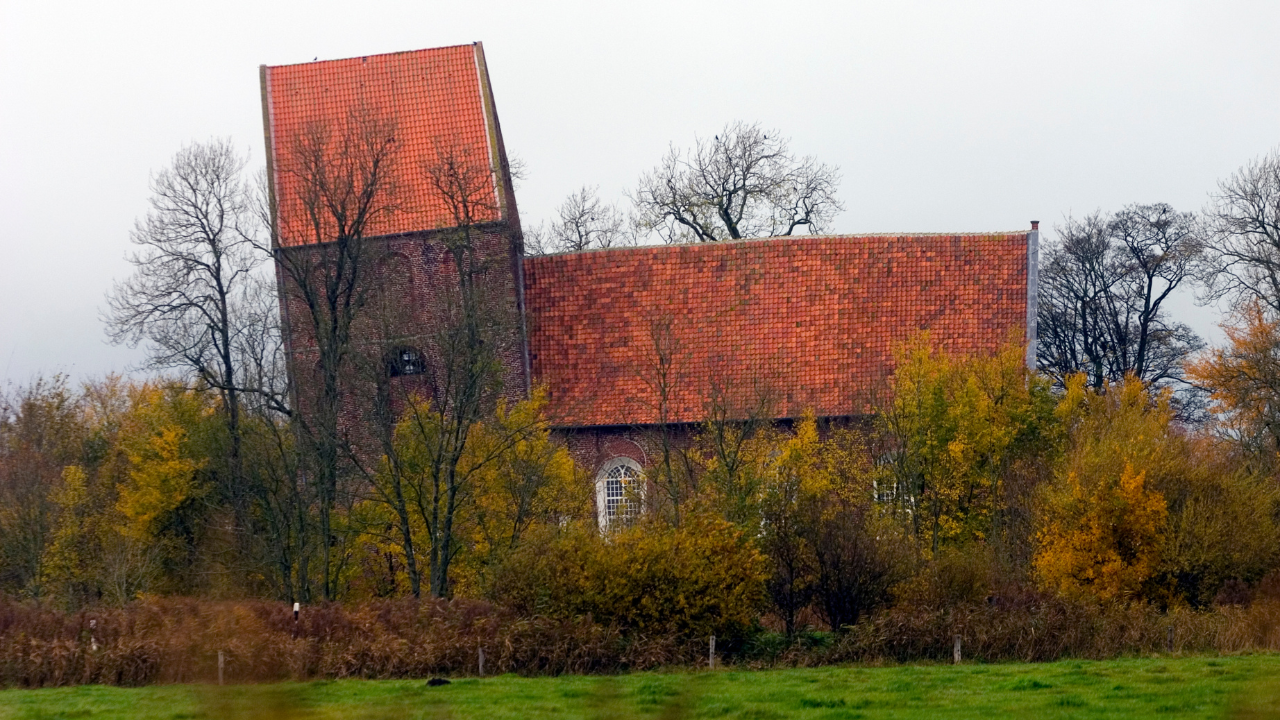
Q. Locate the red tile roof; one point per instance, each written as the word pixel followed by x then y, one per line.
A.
pixel 814 319
pixel 436 95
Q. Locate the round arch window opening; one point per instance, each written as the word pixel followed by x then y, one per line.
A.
pixel 618 491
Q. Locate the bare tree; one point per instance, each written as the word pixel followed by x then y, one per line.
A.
pixel 344 184
pixel 284 542
pixel 286 503
pixel 260 350
pixel 1103 289
pixel 856 559
pixel 1076 280
pixel 743 183
pixel 583 222
pixel 664 377
pixel 1162 249
pixel 518 169
pixel 1243 260
pixel 471 332
pixel 198 247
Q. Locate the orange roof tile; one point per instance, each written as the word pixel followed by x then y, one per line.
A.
pixel 432 96
pixel 813 320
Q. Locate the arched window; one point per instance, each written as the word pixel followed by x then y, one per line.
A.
pixel 619 491
pixel 404 361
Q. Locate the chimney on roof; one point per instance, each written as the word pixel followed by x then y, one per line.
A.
pixel 1035 224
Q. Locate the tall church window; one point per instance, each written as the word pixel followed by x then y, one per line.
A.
pixel 619 492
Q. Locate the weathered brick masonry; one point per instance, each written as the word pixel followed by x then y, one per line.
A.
pixel 410 294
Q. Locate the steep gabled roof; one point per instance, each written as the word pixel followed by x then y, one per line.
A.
pixel 435 99
pixel 814 321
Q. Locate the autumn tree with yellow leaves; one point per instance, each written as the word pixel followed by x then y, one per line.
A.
pixel 795 475
pixel 957 428
pixel 41 433
pixel 1103 526
pixel 474 503
pixel 128 516
pixel 1140 510
pixel 1104 540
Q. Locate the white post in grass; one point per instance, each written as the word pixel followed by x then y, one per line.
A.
pixel 711 660
pixel 955 651
pixel 296 607
pixel 220 663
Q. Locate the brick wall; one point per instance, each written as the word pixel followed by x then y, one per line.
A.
pixel 410 285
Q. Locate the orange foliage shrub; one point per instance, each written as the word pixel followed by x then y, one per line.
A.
pixel 1101 526
pixel 1141 509
pixel 1244 377
pixel 1104 541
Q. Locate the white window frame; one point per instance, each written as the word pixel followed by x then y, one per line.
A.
pixel 634 493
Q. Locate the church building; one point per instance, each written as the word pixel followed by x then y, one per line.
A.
pixel 627 339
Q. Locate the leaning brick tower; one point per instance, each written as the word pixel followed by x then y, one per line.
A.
pixel 379 169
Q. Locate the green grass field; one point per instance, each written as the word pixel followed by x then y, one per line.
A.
pixel 1198 687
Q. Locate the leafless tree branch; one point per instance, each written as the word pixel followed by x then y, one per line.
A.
pixel 1103 289
pixel 743 183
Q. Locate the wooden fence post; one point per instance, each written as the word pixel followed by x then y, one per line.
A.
pixel 955 651
pixel 220 664
pixel 711 659
pixel 1170 639
pixel 482 661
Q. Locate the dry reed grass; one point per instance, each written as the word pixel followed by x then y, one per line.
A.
pixel 171 640
pixel 1052 629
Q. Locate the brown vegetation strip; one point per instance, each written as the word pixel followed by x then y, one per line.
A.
pixel 178 640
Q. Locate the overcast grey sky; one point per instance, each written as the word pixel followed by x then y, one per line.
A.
pixel 943 116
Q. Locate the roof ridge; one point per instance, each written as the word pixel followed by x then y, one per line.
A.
pixel 373 55
pixel 852 236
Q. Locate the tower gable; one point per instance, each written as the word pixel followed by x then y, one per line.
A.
pixel 436 103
